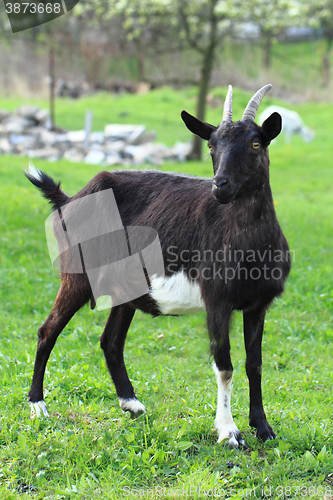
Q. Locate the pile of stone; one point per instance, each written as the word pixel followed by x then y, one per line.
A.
pixel 27 132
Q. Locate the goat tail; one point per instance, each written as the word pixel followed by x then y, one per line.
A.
pixel 50 189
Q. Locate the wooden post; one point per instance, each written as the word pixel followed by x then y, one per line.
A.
pixel 87 128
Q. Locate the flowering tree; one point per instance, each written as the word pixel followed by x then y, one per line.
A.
pixel 201 25
pixel 273 17
pixel 320 15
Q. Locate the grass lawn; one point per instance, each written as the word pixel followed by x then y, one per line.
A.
pixel 88 448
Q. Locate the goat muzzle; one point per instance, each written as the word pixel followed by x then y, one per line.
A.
pixel 224 189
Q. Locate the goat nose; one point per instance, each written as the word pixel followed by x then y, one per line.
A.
pixel 220 181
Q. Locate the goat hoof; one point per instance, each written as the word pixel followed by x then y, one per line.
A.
pixel 237 441
pixel 136 414
pixel 266 433
pixel 231 432
pixel 37 408
pixel 132 405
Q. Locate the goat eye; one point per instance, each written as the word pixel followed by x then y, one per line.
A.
pixel 256 145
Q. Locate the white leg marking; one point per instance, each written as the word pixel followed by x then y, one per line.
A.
pixel 35 409
pixel 224 423
pixel 133 405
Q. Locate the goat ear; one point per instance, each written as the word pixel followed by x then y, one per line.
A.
pixel 272 126
pixel 202 129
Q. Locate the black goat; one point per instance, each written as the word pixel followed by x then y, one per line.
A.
pixel 223 250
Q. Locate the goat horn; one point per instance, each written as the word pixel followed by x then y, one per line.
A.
pixel 227 108
pixel 253 105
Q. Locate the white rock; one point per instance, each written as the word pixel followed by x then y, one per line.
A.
pixel 76 136
pixel 116 131
pixel 18 124
pixel 97 137
pixel 47 137
pixel 139 154
pixel 60 138
pixel 94 157
pixel 74 155
pixel 42 115
pixel 49 153
pixel 5 146
pixel 134 137
pixel 113 160
pixel 112 147
pixel 28 111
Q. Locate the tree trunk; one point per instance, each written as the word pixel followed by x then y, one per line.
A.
pixel 141 61
pixel 52 86
pixel 207 53
pixel 207 66
pixel 267 49
pixel 326 63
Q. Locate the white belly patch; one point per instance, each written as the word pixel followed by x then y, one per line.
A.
pixel 176 294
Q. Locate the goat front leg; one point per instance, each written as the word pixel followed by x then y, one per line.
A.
pixel 112 343
pixel 218 327
pixel 253 331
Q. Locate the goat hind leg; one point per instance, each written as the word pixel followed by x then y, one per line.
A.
pixel 112 343
pixel 65 306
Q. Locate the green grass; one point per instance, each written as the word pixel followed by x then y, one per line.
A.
pixel 88 448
